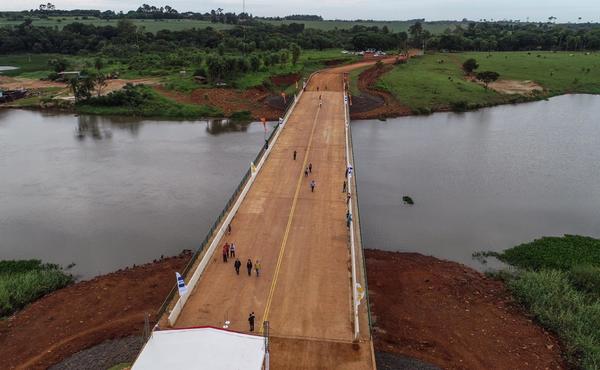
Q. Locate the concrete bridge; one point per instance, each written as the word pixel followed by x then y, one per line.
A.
pixel 312 277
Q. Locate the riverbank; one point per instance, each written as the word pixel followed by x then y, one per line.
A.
pixel 449 315
pixel 425 84
pixel 436 311
pixel 85 314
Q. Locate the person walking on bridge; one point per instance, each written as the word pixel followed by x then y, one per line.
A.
pixel 312 186
pixel 310 168
pixel 257 267
pixel 249 267
pixel 344 188
pixel 225 252
pixel 306 172
pixel 294 155
pixel 232 250
pixel 237 264
pixel 251 318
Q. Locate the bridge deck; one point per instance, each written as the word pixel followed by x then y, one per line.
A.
pixel 301 239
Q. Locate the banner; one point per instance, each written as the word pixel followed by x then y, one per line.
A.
pixel 181 285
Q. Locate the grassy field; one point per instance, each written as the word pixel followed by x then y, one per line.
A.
pixel 427 84
pixel 148 25
pixel 22 282
pixel 557 72
pixel 395 26
pixel 181 24
pixel 558 280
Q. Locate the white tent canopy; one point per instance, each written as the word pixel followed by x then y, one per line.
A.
pixel 201 348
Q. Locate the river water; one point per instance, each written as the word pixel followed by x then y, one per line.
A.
pixel 105 193
pixel 484 180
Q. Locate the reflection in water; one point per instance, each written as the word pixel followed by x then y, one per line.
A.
pixel 98 127
pixel 484 180
pixel 219 126
pixel 88 126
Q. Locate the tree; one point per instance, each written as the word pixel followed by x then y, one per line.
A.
pixel 100 83
pixel 470 65
pixel 98 63
pixel 59 64
pixel 295 49
pixel 487 76
pixel 82 87
pixel 254 63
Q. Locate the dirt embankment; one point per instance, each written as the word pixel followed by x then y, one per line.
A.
pixel 86 314
pixel 229 100
pixel 372 102
pixel 454 317
pixel 439 312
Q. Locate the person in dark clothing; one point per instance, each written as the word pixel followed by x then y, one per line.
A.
pixel 312 186
pixel 251 318
pixel 249 267
pixel 306 172
pixel 344 187
pixel 310 167
pixel 225 252
pixel 237 265
pixel 294 155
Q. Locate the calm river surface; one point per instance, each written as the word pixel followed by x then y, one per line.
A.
pixel 107 193
pixel 484 180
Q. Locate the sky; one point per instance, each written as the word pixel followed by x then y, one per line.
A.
pixel 533 10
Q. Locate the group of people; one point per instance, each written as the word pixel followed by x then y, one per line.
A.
pixel 229 252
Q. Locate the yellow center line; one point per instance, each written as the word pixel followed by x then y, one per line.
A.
pixel 289 224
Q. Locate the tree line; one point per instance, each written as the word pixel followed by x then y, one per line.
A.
pixel 125 38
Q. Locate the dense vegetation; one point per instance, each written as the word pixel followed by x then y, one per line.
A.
pixel 559 282
pixel 22 282
pixel 143 101
pixel 437 81
pixel 248 33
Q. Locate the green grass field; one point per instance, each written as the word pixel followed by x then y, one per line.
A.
pixel 558 281
pixel 182 24
pixel 425 84
pixel 148 25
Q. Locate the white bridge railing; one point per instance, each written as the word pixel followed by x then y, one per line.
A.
pixel 350 220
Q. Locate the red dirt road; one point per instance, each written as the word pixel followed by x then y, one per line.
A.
pixel 85 314
pixel 447 314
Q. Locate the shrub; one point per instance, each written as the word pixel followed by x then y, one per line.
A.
pixel 470 65
pixel 586 278
pixel 22 282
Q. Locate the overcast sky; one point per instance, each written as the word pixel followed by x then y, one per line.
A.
pixel 534 10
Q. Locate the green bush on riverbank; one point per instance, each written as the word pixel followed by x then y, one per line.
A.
pixel 143 101
pixel 22 282
pixel 559 283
